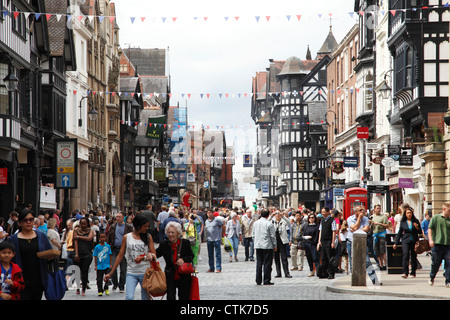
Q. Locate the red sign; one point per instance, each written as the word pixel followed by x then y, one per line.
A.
pixel 362 132
pixel 3 176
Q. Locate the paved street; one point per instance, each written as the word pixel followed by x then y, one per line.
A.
pixel 237 282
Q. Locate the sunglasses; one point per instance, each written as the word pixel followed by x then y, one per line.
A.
pixel 29 220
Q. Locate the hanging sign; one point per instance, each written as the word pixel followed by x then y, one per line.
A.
pixel 362 132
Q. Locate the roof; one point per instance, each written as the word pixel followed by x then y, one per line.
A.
pixel 148 62
pixel 328 45
pixel 295 66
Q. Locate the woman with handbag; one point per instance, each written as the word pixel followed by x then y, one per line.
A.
pixel 83 240
pixel 138 248
pixel 28 243
pixel 409 231
pixel 177 254
pixel 234 234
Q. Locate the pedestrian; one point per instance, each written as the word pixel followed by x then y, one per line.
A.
pixel 214 232
pixel 359 221
pixel 114 238
pixel 27 243
pixel 42 224
pixel 296 242
pixel 83 239
pixel 138 249
pixel 265 241
pixel 102 261
pixel 53 235
pixel 310 239
pixel 409 231
pixel 175 252
pixel 12 224
pixel 343 239
pixel 11 279
pixel 424 225
pixel 163 215
pixel 233 232
pixel 3 233
pixel 439 239
pixel 379 225
pixel 248 221
pixel 281 223
pixel 326 244
pixel 150 215
pixel 191 231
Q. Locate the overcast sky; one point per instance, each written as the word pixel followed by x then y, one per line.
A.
pixel 222 49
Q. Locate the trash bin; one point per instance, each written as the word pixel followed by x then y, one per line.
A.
pixel 394 260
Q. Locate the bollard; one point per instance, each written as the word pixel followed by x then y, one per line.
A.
pixel 359 252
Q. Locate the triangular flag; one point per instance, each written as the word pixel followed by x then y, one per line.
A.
pixel 142 19
pixel 174 19
pixel 111 19
pixel 16 14
pixel 237 18
pixel 205 18
pixel 288 17
pixel 37 15
pixel 101 19
pixel 393 12
pixel 163 19
pixel 267 18
pixel 257 18
pixel 132 19
pixel 226 18
pixel 298 17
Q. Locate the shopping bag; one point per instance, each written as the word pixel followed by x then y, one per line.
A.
pixel 194 293
pixel 56 282
pixel 155 280
pixel 227 244
pixel 422 246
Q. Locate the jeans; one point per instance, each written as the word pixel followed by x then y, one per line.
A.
pixel 235 244
pixel 438 253
pixel 132 281
pixel 214 246
pixel 84 264
pixel 249 248
pixel 123 269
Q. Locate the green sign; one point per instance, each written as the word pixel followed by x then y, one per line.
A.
pixel 155 127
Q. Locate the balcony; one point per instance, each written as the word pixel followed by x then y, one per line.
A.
pixel 9 132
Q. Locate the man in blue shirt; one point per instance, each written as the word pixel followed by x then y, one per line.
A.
pixel 214 230
pixel 102 259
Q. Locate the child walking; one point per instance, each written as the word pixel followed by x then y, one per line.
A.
pixel 11 280
pixel 102 259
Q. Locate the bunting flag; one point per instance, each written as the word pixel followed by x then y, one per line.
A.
pixel 268 18
pixel 221 95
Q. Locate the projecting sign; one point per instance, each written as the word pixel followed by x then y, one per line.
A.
pixel 362 132
pixel 66 155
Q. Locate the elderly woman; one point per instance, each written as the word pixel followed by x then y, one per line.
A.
pixel 176 251
pixel 234 234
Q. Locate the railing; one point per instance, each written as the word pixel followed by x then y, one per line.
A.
pixel 9 131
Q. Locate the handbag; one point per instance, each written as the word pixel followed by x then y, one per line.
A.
pixel 194 292
pixel 422 245
pixel 154 281
pixel 56 282
pixel 186 267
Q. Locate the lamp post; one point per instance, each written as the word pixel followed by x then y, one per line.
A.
pixel 80 120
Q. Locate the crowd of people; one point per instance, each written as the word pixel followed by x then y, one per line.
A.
pixel 121 246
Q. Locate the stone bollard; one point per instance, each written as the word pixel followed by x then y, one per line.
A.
pixel 359 252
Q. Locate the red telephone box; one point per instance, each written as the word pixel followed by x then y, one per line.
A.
pixel 354 197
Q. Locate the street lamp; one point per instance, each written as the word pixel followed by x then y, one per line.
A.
pixel 11 81
pixel 80 121
pixel 335 123
pixel 385 89
pixel 93 114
